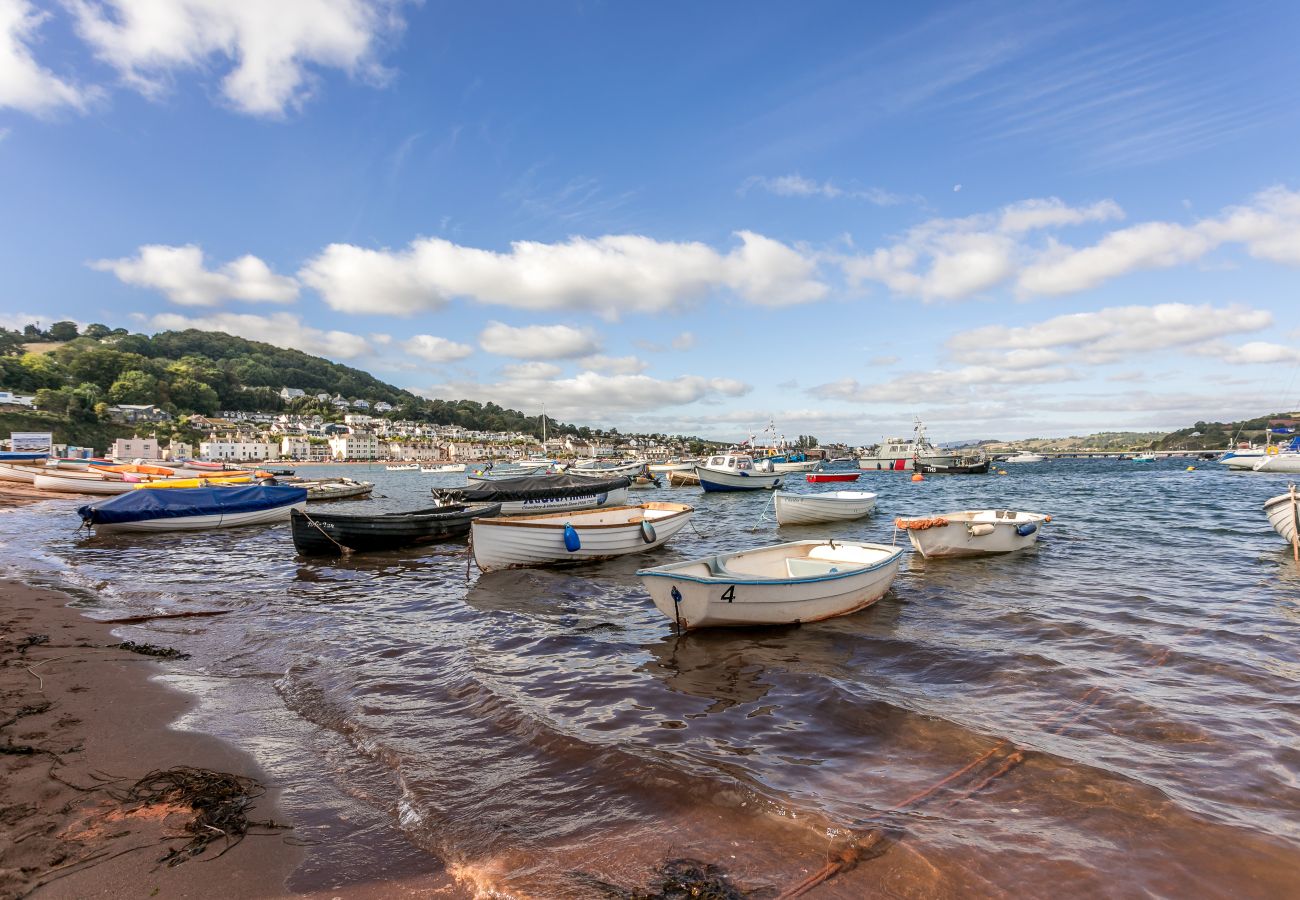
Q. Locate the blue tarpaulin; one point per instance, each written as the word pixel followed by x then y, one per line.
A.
pixel 21 456
pixel 173 503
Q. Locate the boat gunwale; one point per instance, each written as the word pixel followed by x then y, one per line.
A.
pixel 521 521
pixel 895 555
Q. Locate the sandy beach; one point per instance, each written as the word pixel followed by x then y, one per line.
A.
pixel 82 723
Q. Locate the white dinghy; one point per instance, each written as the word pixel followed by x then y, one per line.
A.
pixel 1283 513
pixel 974 532
pixel 551 538
pixel 804 581
pixel 829 506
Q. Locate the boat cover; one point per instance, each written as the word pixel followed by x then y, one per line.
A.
pixel 535 487
pixel 139 506
pixel 20 456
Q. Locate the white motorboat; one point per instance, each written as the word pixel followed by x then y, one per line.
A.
pixel 1144 457
pixel 828 506
pixel 1283 513
pixel 565 537
pixel 804 581
pixel 194 509
pixel 974 532
pixel 445 468
pixel 1024 456
pixel 411 467
pixel 1287 462
pixel 901 454
pixel 534 462
pixel 735 472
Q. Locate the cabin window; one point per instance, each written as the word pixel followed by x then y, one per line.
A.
pixel 731 463
pixel 716 461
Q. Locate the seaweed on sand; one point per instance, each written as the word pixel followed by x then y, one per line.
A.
pixel 150 650
pixel 679 879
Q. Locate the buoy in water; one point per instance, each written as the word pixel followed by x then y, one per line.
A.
pixel 1002 471
pixel 918 477
pixel 1191 468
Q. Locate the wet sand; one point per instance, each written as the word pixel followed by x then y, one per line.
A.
pixel 88 712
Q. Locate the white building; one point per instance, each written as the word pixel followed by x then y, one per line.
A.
pixel 136 448
pixel 12 399
pixel 238 450
pixel 289 393
pixel 178 450
pixel 295 447
pixel 358 445
pixel 383 406
pixel 354 420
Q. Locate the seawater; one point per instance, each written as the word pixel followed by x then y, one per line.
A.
pixel 528 731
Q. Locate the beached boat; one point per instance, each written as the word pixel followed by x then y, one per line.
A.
pixel 23 472
pixel 540 493
pixel 564 537
pixel 23 456
pixel 411 467
pixel 82 483
pixel 1283 513
pixel 214 479
pixel 683 479
pixel 448 467
pixel 830 506
pixel 804 581
pixel 820 477
pixel 336 489
pixel 735 472
pixel 974 532
pixel 194 509
pixel 330 534
pixel 1024 456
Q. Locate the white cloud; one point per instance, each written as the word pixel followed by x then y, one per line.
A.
pixel 615 365
pixel 590 396
pixel 607 275
pixel 275 47
pixel 179 273
pixel 1150 245
pixel 436 349
pixel 797 185
pixel 279 329
pixel 684 341
pixel 1251 353
pixel 1031 215
pixel 1108 335
pixel 538 341
pixel 883 360
pixel 531 371
pixel 24 83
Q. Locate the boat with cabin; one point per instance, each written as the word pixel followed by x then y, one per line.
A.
pixel 733 471
pixel 898 454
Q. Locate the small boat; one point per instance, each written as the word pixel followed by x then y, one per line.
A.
pixel 193 509
pixel 213 480
pixel 1141 457
pixel 831 506
pixel 608 471
pixel 1283 513
pixel 23 472
pixel 974 532
pixel 665 468
pixel 564 537
pixel 449 467
pixel 683 479
pixel 735 472
pixel 819 477
pixel 794 462
pixel 24 456
pixel 540 493
pixel 82 483
pixel 1024 456
pixel 336 489
pixel 330 534
pixel 411 467
pixel 803 581
pixel 644 482
pixel 532 462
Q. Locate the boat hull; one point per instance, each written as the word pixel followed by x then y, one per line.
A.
pixel 683 479
pixel 540 540
pixel 21 473
pixel 1288 463
pixel 819 477
pixel 975 533
pixel 323 534
pixel 85 484
pixel 980 468
pixel 730 599
pixel 835 506
pixel 203 523
pixel 1283 513
pixel 325 491
pixel 715 481
pixel 810 465
pixel 886 464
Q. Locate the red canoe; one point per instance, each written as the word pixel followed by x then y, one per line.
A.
pixel 815 477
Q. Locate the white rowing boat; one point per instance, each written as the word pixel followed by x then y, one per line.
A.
pixel 82 483
pixel 23 473
pixel 829 506
pixel 610 471
pixel 974 532
pixel 1283 513
pixel 552 538
pixel 449 467
pixel 804 581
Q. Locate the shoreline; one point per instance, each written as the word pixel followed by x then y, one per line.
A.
pixel 75 711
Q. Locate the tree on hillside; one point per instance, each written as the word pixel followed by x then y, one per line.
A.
pixel 134 387
pixel 63 331
pixel 97 331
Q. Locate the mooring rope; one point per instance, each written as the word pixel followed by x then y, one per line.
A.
pixel 345 551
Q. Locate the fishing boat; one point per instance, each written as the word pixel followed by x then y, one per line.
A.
pixel 898 454
pixel 820 477
pixel 447 467
pixel 831 506
pixel 194 509
pixel 540 493
pixel 803 581
pixel 972 464
pixel 331 534
pixel 1283 513
pixel 566 537
pixel 1024 456
pixel 974 532
pixel 683 479
pixel 794 462
pixel 406 467
pixel 336 489
pixel 735 472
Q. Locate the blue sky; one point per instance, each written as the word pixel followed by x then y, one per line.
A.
pixel 683 217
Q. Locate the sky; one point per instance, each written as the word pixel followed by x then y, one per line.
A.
pixel 1011 220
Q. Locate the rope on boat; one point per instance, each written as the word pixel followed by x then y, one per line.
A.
pixel 343 551
pixel 920 524
pixel 763 517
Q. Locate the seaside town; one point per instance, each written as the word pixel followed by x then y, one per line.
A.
pixel 649 452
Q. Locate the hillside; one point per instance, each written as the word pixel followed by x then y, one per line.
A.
pixel 76 376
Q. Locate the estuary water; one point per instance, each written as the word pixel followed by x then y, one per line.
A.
pixel 1115 713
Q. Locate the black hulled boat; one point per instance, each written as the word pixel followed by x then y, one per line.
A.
pixel 328 534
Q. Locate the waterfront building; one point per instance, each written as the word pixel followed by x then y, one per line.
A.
pixel 135 447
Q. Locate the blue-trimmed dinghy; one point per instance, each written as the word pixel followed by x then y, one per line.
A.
pixel 194 509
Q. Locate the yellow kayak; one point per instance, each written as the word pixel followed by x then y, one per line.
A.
pixel 196 482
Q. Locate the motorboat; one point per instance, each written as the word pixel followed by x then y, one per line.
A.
pixel 803 581
pixel 541 493
pixel 411 467
pixel 898 454
pixel 331 534
pixel 194 509
pixel 1283 513
pixel 442 469
pixel 793 462
pixel 829 506
pixel 566 537
pixel 973 532
pixel 820 477
pixel 735 472
pixel 1141 457
pixel 966 464
pixel 1024 456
